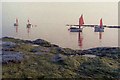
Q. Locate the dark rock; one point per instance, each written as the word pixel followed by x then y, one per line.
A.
pixel 7 38
pixel 42 43
pixel 8 46
pixel 11 57
pixel 7 49
pixel 40 49
pixel 67 51
pixel 85 52
pixel 53 45
pixel 40 53
pixel 59 50
pixel 33 50
pixel 57 58
pixel 27 41
pixel 101 55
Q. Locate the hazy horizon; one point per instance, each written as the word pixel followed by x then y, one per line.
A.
pixel 91 10
pixel 51 18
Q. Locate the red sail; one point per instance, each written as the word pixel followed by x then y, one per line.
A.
pixel 101 23
pixel 81 21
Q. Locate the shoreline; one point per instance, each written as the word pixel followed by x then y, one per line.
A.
pixel 97 51
pixel 41 59
pixel 32 41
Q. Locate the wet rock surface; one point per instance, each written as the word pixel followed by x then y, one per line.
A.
pixel 111 52
pixel 40 49
pixel 42 43
pixel 11 56
pixel 57 58
pixel 48 47
pixel 8 46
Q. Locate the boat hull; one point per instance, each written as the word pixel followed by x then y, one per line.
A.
pixel 98 29
pixel 29 25
pixel 75 29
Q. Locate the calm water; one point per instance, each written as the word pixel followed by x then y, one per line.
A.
pixel 49 20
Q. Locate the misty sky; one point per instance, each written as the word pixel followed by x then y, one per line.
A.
pixel 92 11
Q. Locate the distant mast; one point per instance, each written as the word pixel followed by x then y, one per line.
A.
pixel 81 21
pixel 16 22
pixel 101 23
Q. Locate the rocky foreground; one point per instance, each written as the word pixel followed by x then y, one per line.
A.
pixel 41 59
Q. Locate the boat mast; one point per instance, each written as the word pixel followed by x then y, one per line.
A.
pixel 101 23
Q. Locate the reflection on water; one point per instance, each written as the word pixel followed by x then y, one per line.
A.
pixel 80 39
pixel 63 37
pixel 100 35
pixel 16 28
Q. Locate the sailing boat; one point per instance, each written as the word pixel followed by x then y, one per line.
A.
pixel 99 28
pixel 16 25
pixel 29 24
pixel 75 29
pixel 16 22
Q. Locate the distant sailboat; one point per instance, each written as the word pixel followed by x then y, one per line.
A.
pixel 16 22
pixel 29 25
pixel 99 28
pixel 16 25
pixel 75 29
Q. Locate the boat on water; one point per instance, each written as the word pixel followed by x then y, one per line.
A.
pixel 99 28
pixel 16 22
pixel 81 25
pixel 75 29
pixel 78 29
pixel 29 25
